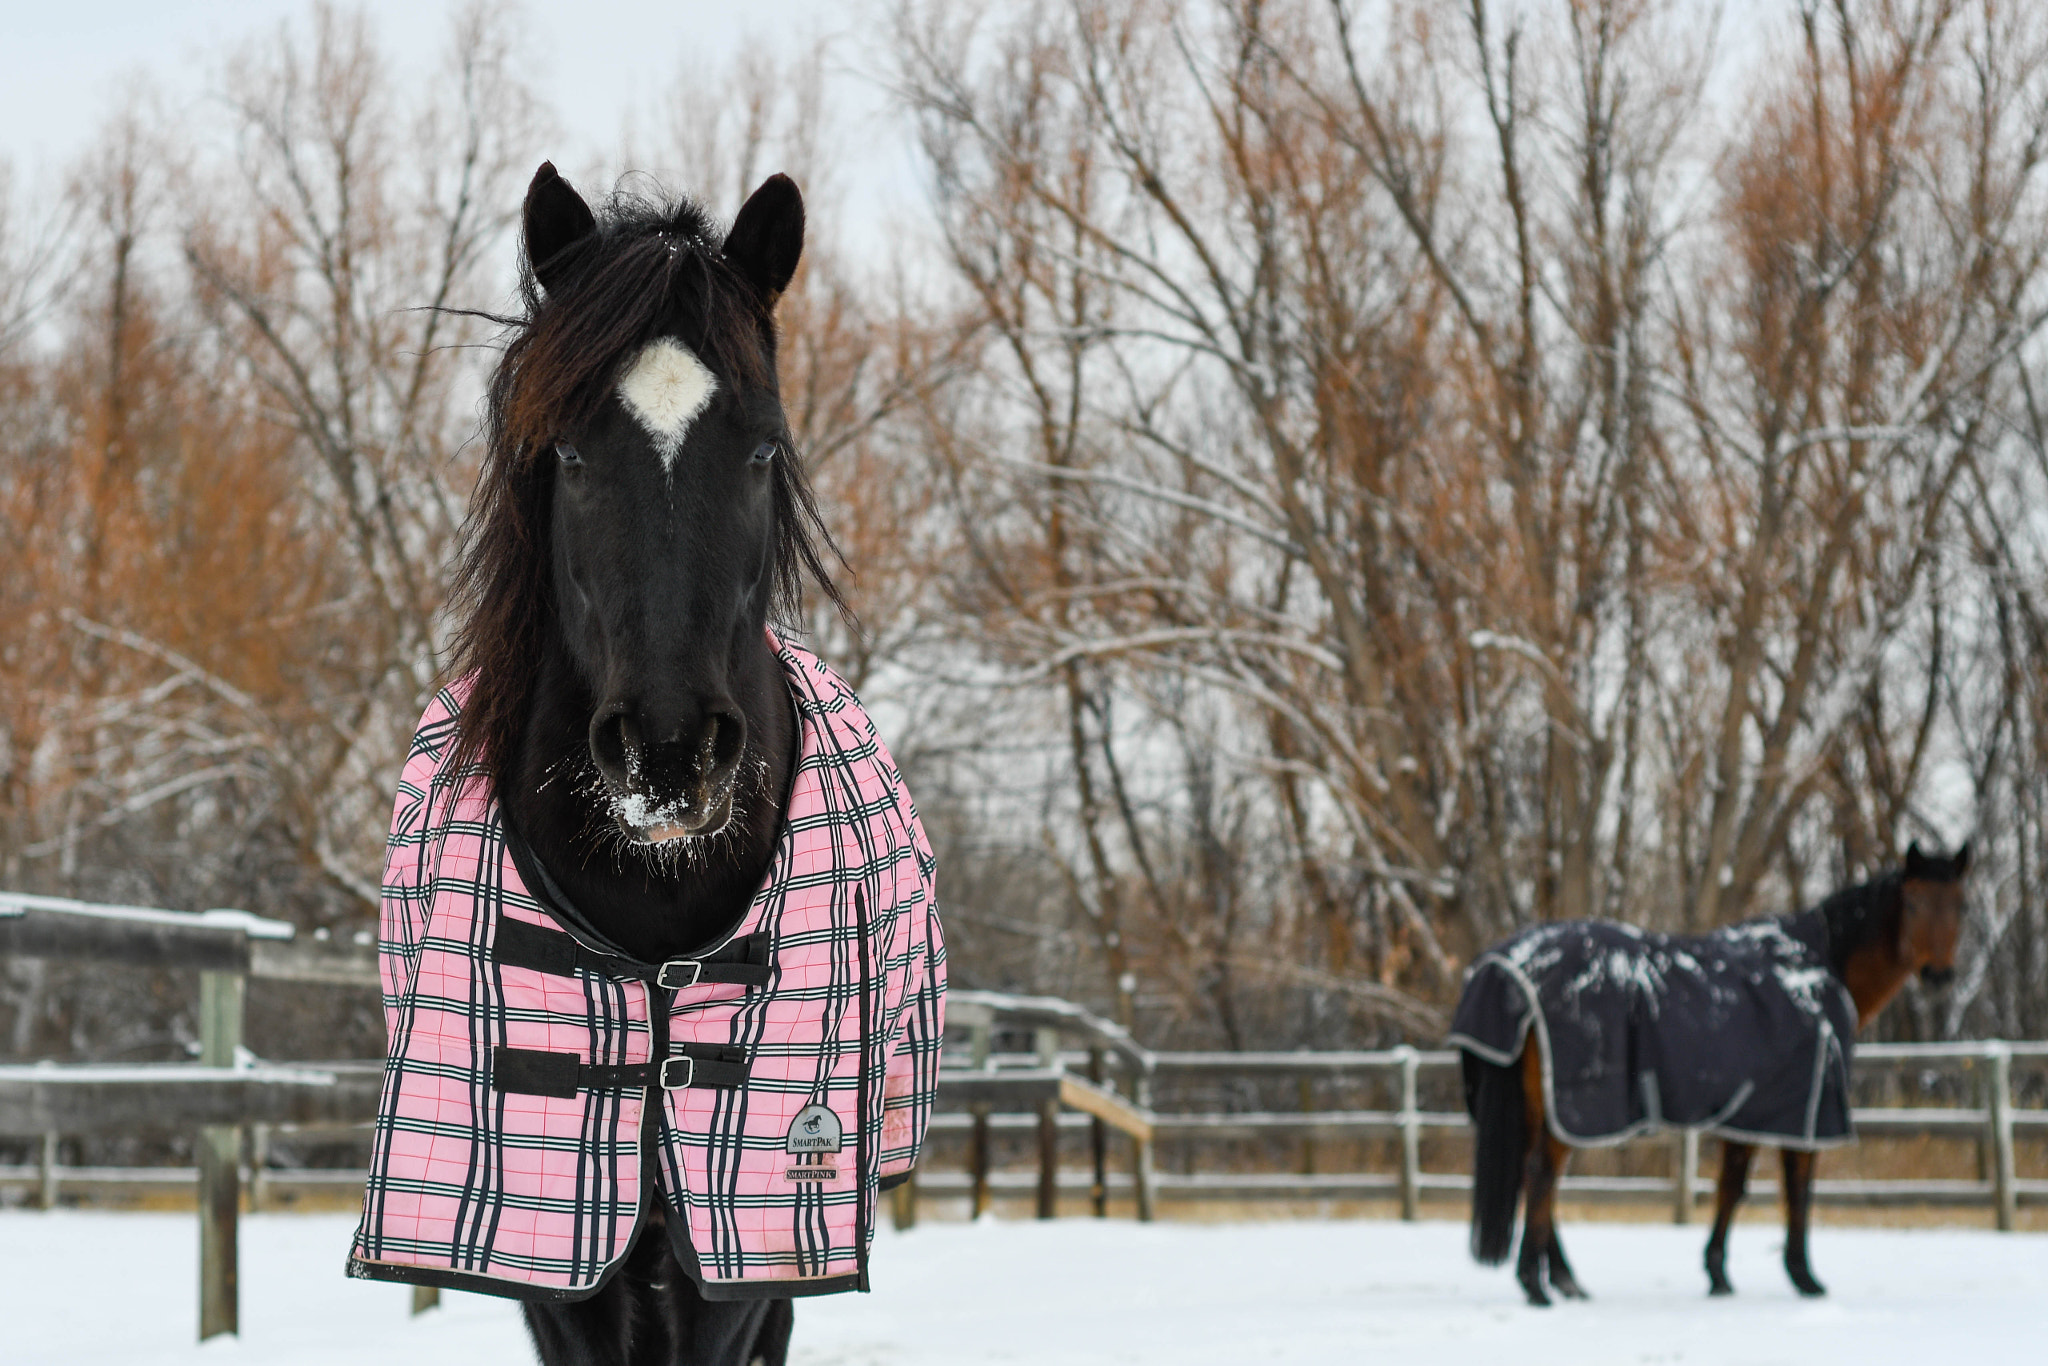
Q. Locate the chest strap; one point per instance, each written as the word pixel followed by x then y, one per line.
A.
pixel 741 962
pixel 532 1072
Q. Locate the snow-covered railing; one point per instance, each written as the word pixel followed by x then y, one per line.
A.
pixel 988 1083
pixel 204 941
pixel 219 1095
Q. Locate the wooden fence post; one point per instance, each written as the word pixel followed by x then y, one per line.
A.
pixel 1411 1135
pixel 47 1196
pixel 1682 1184
pixel 2005 1190
pixel 259 1159
pixel 1142 1154
pixel 1308 1142
pixel 220 1160
pixel 977 1141
pixel 1098 1144
pixel 1048 1042
pixel 903 1204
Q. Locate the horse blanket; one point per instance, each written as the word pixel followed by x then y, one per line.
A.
pixel 779 1079
pixel 1743 1032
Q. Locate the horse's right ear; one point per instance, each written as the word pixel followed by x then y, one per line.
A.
pixel 768 237
pixel 1916 862
pixel 556 220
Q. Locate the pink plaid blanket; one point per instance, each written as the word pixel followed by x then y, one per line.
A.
pixel 792 1066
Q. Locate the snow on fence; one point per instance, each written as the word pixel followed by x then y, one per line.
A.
pixel 1083 1072
pixel 1107 1048
pixel 226 1090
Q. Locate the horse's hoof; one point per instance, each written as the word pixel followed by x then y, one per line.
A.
pixel 1534 1290
pixel 1571 1290
pixel 1802 1278
pixel 1719 1285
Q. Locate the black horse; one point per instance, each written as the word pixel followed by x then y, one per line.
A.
pixel 1583 1032
pixel 639 516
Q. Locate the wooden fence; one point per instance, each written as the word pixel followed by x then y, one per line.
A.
pixel 216 1097
pixel 1080 1073
pixel 1123 1077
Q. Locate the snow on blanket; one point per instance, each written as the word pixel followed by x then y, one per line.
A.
pixel 1742 1032
pixel 90 1289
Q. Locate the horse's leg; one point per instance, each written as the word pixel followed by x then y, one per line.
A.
pixel 651 1310
pixel 681 1326
pixel 1539 1184
pixel 771 1344
pixel 1561 1278
pixel 612 1327
pixel 1798 1186
pixel 1539 1223
pixel 1728 1194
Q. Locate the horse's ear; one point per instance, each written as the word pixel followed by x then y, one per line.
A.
pixel 1916 862
pixel 556 219
pixel 768 237
pixel 1961 861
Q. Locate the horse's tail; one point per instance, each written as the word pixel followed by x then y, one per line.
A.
pixel 1493 1095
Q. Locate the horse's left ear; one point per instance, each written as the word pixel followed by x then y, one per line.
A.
pixel 1916 862
pixel 1961 861
pixel 768 237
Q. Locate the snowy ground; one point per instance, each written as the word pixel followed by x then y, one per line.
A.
pixel 83 1289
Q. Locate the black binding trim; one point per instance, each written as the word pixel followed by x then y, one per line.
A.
pixel 405 1273
pixel 534 1072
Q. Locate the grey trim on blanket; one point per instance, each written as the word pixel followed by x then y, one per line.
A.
pixel 1806 928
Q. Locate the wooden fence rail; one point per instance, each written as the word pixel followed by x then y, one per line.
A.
pixel 216 1097
pixel 1082 1072
pixel 981 1014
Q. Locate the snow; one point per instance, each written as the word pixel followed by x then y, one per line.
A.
pixel 90 1288
pixel 254 926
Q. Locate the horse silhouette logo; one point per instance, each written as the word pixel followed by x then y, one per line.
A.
pixel 814 1130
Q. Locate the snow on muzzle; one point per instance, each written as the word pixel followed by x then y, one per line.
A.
pixel 677 787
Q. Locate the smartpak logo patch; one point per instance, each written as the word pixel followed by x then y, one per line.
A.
pixel 814 1135
pixel 814 1130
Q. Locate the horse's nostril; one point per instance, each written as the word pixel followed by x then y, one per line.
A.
pixel 1937 977
pixel 615 745
pixel 728 738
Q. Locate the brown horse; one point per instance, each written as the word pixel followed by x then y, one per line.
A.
pixel 1872 938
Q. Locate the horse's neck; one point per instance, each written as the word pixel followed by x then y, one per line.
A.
pixel 1864 918
pixel 1873 975
pixel 652 913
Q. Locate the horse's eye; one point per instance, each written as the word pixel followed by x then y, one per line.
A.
pixel 567 454
pixel 764 452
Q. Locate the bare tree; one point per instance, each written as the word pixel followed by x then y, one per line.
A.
pixel 332 259
pixel 1548 481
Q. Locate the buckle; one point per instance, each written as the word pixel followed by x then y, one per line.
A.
pixel 661 978
pixel 689 1071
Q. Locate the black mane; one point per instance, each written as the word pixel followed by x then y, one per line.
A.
pixel 653 267
pixel 1860 915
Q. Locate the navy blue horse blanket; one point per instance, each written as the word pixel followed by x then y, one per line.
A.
pixel 1743 1032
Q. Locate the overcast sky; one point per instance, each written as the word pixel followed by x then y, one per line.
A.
pixel 596 62
pixel 69 63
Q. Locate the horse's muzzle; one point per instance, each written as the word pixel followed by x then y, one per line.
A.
pixel 1937 977
pixel 680 788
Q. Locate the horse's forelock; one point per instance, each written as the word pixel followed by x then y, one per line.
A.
pixel 640 282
